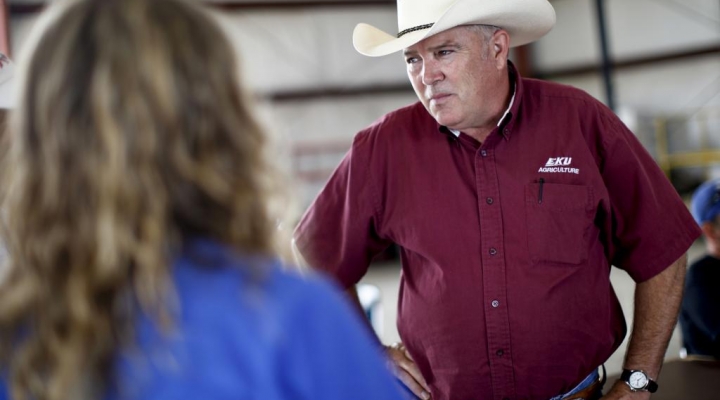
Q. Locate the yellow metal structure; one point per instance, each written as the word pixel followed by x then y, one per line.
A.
pixel 706 156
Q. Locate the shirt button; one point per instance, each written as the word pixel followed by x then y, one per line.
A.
pixel 493 251
pixel 495 303
pixel 507 131
pixel 500 353
pixel 483 153
pixel 489 200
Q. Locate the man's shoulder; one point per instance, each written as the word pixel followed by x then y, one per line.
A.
pixel 547 89
pixel 546 97
pixel 404 119
pixel 395 126
pixel 407 114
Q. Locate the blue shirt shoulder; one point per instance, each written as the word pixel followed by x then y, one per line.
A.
pixel 271 334
pixel 245 328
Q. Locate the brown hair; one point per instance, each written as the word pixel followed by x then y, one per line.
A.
pixel 131 135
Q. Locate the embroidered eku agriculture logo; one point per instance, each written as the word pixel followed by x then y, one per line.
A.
pixel 559 165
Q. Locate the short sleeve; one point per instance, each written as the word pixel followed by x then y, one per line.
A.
pixel 651 226
pixel 339 232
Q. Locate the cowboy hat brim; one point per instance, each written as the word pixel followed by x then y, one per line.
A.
pixel 524 20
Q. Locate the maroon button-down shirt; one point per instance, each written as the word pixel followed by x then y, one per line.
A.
pixel 506 246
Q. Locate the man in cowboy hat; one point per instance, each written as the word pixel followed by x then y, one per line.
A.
pixel 509 198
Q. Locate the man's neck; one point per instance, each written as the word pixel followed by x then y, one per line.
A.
pixel 481 133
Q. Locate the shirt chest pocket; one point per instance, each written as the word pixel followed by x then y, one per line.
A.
pixel 559 218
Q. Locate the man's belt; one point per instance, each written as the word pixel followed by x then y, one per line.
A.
pixel 589 392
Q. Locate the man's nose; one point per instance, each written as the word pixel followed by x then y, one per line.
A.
pixel 431 72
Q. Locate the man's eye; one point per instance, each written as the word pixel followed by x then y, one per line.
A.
pixel 444 52
pixel 411 60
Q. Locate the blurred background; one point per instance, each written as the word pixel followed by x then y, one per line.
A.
pixel 655 62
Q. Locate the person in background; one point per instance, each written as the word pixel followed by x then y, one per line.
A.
pixel 136 193
pixel 510 199
pixel 700 310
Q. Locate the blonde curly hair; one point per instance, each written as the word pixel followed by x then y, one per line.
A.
pixel 131 136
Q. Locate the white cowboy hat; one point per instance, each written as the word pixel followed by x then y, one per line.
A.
pixel 525 21
pixel 7 83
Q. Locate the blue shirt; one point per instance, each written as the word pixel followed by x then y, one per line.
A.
pixel 276 336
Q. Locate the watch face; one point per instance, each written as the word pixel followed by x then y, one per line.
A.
pixel 638 380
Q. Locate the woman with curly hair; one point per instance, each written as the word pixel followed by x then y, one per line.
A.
pixel 136 206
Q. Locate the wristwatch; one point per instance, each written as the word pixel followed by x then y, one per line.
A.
pixel 638 381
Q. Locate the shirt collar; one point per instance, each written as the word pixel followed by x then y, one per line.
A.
pixel 505 114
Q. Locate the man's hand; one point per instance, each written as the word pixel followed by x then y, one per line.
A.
pixel 405 369
pixel 621 391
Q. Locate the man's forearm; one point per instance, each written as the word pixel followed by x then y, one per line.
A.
pixel 657 302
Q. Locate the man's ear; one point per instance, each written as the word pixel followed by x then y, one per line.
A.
pixel 500 47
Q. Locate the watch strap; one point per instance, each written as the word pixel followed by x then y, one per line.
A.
pixel 652 386
pixel 625 376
